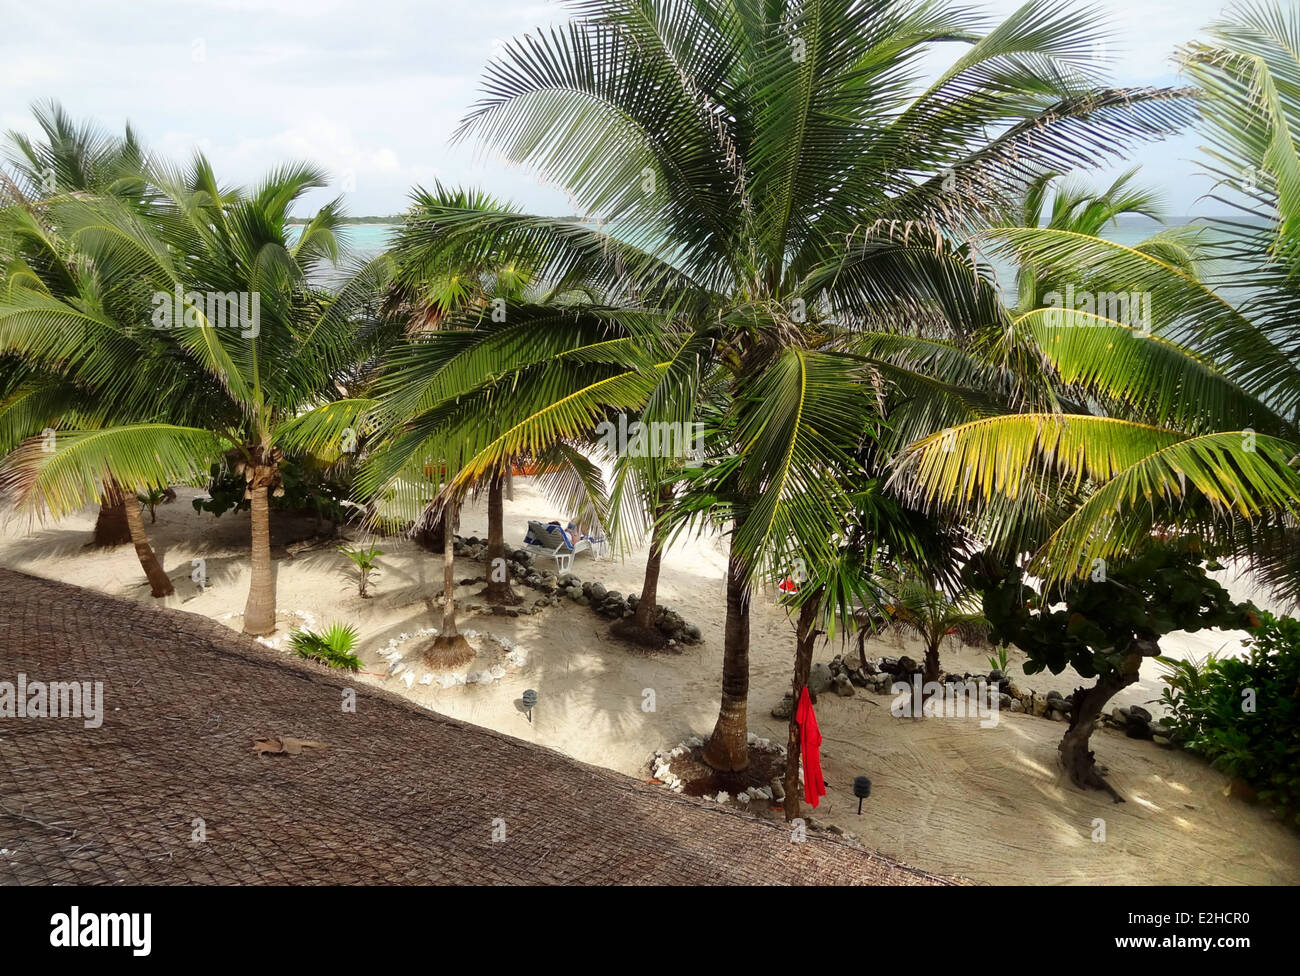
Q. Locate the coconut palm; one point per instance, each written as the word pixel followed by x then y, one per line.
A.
pixel 430 289
pixel 777 175
pixel 72 157
pixel 278 354
pixel 883 538
pixel 932 615
pixel 444 400
pixel 1074 206
pixel 69 158
pixel 454 307
pixel 1187 417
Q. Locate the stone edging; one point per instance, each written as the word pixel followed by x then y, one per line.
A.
pixel 515 658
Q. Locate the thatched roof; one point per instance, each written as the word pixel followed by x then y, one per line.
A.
pixel 397 795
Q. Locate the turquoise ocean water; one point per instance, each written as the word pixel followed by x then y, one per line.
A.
pixel 365 241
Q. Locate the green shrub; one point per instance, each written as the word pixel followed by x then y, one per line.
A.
pixel 332 647
pixel 1243 715
pixel 305 489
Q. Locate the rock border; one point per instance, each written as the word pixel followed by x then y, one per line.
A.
pixel 602 601
pixel 660 766
pixel 515 659
pixel 306 616
pixel 843 675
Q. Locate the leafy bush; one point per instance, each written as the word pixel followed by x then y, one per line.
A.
pixel 1243 714
pixel 304 489
pixel 332 647
pixel 1102 625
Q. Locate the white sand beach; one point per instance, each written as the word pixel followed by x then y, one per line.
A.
pixel 948 796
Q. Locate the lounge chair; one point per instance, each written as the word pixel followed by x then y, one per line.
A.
pixel 599 544
pixel 551 540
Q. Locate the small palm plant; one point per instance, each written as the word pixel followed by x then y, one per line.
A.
pixel 366 561
pixel 932 615
pixel 332 647
pixel 151 498
pixel 998 660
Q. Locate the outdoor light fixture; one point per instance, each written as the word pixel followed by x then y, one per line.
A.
pixel 530 702
pixel 862 790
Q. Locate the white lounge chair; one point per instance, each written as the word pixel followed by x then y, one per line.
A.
pixel 553 541
pixel 599 544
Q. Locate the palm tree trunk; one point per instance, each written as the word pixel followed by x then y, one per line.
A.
pixel 803 655
pixel 931 666
pixel 727 749
pixel 498 590
pixel 111 528
pixel 647 607
pixel 449 630
pixel 449 649
pixel 159 584
pixel 1088 704
pixel 259 612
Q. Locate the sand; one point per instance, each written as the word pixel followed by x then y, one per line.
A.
pixel 948 796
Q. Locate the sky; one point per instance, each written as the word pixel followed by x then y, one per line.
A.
pixel 372 89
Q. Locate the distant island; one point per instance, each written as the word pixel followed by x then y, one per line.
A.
pixel 391 219
pixel 397 219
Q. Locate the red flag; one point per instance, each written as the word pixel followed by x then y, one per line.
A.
pixel 810 740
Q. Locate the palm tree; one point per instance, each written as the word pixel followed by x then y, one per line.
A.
pixel 883 539
pixel 1076 207
pixel 778 178
pixel 430 288
pixel 245 381
pixel 74 158
pixel 932 615
pixel 461 311
pixel 1187 420
pixel 70 158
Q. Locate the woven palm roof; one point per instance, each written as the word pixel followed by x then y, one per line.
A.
pixel 398 794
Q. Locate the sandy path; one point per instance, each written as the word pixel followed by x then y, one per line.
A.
pixel 948 796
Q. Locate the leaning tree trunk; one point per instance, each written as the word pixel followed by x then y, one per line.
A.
pixel 727 749
pixel 159 584
pixel 111 528
pixel 648 606
pixel 449 648
pixel 803 654
pixel 430 537
pixel 259 611
pixel 1087 708
pixel 498 590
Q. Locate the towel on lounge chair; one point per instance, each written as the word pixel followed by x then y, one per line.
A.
pixel 552 539
pixel 549 535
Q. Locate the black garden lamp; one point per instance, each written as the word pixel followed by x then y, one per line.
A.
pixel 862 790
pixel 530 702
